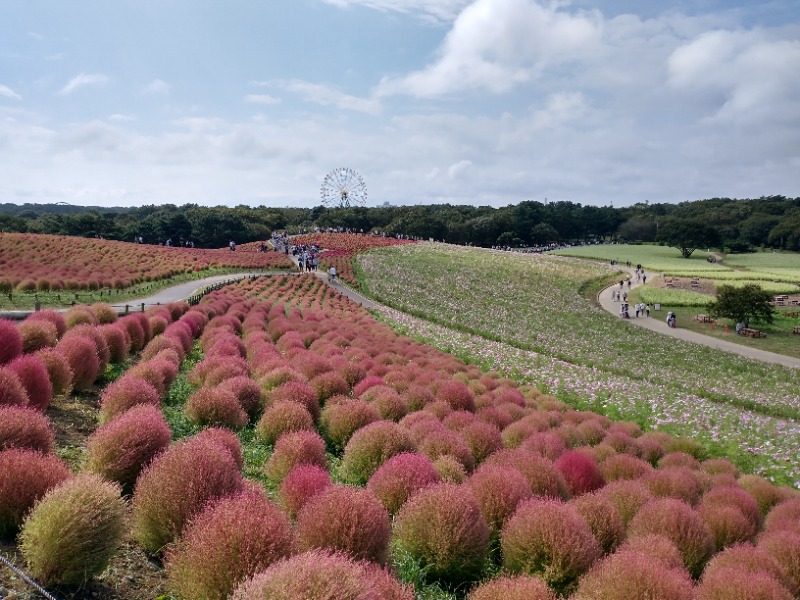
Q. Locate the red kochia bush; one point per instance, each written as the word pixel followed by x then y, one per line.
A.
pixel 34 378
pixel 176 486
pixel 483 439
pixel 324 575
pixel 366 383
pixel 50 316
pixel 225 438
pixel 457 395
pixel 25 476
pixel 624 466
pixel 247 391
pixel 499 490
pixel 58 370
pixel 292 449
pixel 26 428
pixel 521 587
pixel 580 472
pixel 121 448
pixel 733 584
pixel 329 384
pixel 93 332
pixel 674 482
pixel 401 477
pixel 442 527
pixel 10 341
pixel 677 521
pixel 125 393
pixel 785 515
pixel 231 540
pixel 370 447
pixel 118 342
pixel 216 407
pixel 748 559
pixel 81 354
pixel 602 518
pixel 446 442
pixel 283 417
pixel 12 392
pixel 296 391
pixel 347 519
pixel 542 475
pixel 784 548
pixel 550 539
pixel 300 485
pixel 340 421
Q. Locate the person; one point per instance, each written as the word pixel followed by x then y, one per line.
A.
pixel 647 310
pixel 332 274
pixel 232 246
pixel 739 328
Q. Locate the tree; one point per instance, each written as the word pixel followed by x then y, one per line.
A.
pixel 544 233
pixel 688 234
pixel 746 303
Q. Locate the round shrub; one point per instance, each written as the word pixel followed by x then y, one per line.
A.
pixel 521 587
pixel 679 459
pixel 366 383
pixel 12 392
pixel 602 518
pixel 445 442
pixel 370 447
pixel 10 341
pixel 37 335
pixel 498 490
pixel 118 342
pixel 442 527
pixel 733 584
pixel 58 370
pixel 391 405
pixel 103 312
pixel 93 333
pixel 73 532
pixel 84 362
pixel 549 539
pixel 26 428
pixel 627 497
pixel 718 466
pixel 482 438
pixel 545 443
pixel 296 391
pixel 674 482
pixel 457 395
pixel 749 559
pixel 215 407
pixel 159 343
pixel 321 574
pixel 542 475
pixel 176 486
pixel 624 466
pixel 247 391
pixel 656 547
pixel 767 494
pixel 580 472
pixel 79 315
pixel 328 385
pixel 225 438
pixel 784 548
pixel 121 448
pixel 135 332
pixel 34 378
pixel 346 519
pixel 678 522
pixel 401 477
pixel 292 449
pixel 340 421
pixel 25 476
pixel 232 539
pixel 50 316
pixel 125 393
pixel 631 575
pixel 283 417
pixel 785 515
pixel 450 470
pixel 301 484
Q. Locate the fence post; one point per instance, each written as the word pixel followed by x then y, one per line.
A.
pixel 142 306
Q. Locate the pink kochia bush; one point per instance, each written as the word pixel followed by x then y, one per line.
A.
pixel 125 393
pixel 232 539
pixel 23 427
pixel 549 539
pixel 225 438
pixel 34 378
pixel 521 587
pixel 580 472
pixel 345 519
pixel 442 528
pixel 177 485
pixel 499 490
pixel 321 574
pixel 401 477
pixel 301 484
pixel 12 392
pixel 10 341
pixel 734 584
pixel 292 449
pixel 84 362
pixel 25 476
pixel 283 417
pixel 248 393
pixel 215 407
pixel 121 448
pixel 58 370
pixel 749 559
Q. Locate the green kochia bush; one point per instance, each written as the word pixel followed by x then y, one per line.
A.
pixel 73 532
pixel 370 447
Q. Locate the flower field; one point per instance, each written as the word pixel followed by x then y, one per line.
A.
pixel 276 441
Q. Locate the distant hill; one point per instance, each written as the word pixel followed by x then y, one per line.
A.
pixel 60 208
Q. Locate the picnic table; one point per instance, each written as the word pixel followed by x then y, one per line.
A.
pixel 703 319
pixel 752 333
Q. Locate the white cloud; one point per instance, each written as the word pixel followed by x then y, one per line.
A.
pixel 83 80
pixel 9 93
pixel 327 96
pixel 457 168
pixel 157 87
pixel 121 118
pixel 434 10
pixel 261 99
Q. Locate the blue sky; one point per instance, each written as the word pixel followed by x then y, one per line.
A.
pixel 486 102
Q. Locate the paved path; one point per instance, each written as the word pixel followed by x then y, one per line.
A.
pixel 657 322
pixel 342 288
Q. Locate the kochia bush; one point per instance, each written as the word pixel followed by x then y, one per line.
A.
pixel 12 392
pixel 292 449
pixel 58 370
pixel 401 477
pixel 225 438
pixel 283 417
pixel 300 485
pixel 370 447
pixel 84 362
pixel 10 341
pixel 727 584
pixel 215 407
pixel 125 393
pixel 602 518
pixel 25 428
pixel 247 391
pixel 37 335
pixel 340 421
pixel 73 532
pixel 580 472
pixel 520 587
pixel 34 378
pixel 498 490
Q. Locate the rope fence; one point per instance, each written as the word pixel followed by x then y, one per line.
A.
pixel 26 578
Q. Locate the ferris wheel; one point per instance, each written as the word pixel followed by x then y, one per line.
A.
pixel 342 188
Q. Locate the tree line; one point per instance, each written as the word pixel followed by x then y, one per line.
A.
pixel 725 223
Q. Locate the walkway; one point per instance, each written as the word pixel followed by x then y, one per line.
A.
pixel 657 322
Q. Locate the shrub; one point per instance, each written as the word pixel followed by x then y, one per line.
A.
pixel 135 332
pixel 446 442
pixel 546 444
pixel 677 521
pixel 674 482
pixel 482 438
pixel 400 477
pixel 329 384
pixel 296 391
pixel 687 446
pixel 301 484
pixel 121 448
pixel 457 395
pixel 159 343
pixel 37 335
pixel 366 383
pixel 784 548
pixel 498 490
pixel 542 475
pixel 215 407
pixel 656 547
pixel 292 449
pixel 733 495
pixel 12 392
pixel 84 362
pixel 283 417
pixel 103 312
pixel 118 342
pixel 450 470
pixel 679 459
pixel 732 584
pixel 49 316
pixel 630 575
pixel 785 515
pixel 10 341
pixel 25 428
pixel 34 378
pixel 176 486
pixel 370 447
pixel 324 575
pixel 580 472
pixel 340 421
pixel 25 476
pixel 231 540
pixel 347 519
pixel 521 587
pixel 58 370
pixel 225 438
pixel 627 497
pixel 152 373
pixel 602 518
pixel 718 466
pixel 93 333
pixel 749 559
pixel 391 405
pixel 624 466
pixel 247 391
pixel 442 528
pixel 125 393
pixel 766 493
pixel 73 532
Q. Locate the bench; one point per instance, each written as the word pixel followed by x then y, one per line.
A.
pixel 793 313
pixel 752 333
pixel 703 319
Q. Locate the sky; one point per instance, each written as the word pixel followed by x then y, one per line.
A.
pixel 480 102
